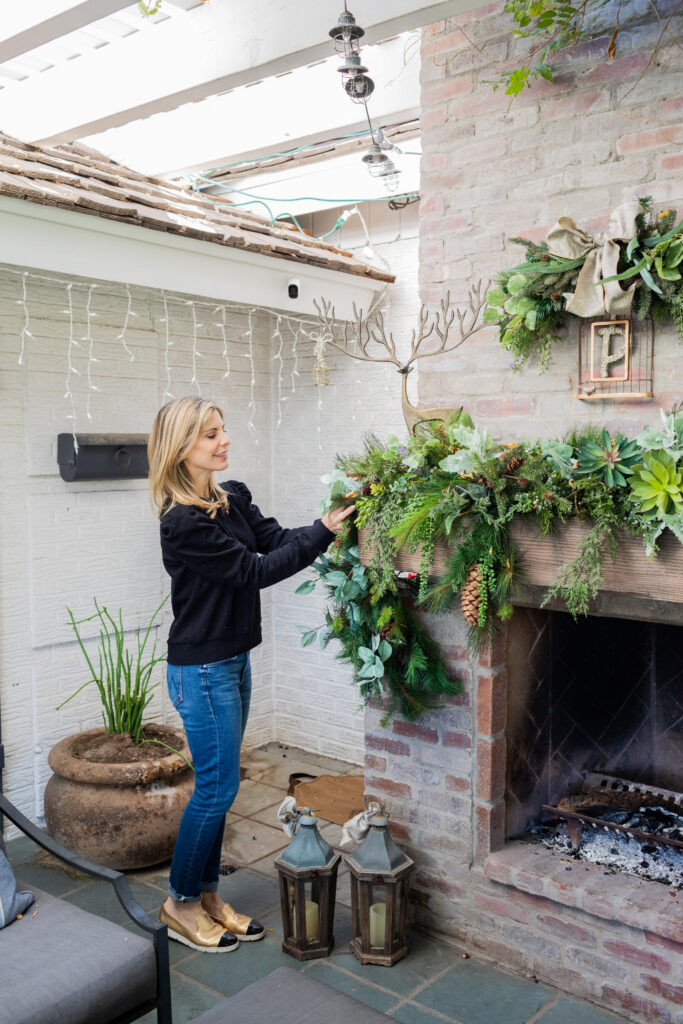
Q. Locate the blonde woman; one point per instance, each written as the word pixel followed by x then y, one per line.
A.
pixel 219 551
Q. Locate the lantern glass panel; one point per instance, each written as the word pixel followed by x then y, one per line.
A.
pixel 377 903
pixel 311 902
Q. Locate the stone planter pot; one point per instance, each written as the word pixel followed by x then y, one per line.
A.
pixel 119 815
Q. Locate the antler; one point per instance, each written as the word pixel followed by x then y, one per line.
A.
pixel 364 332
pixel 357 330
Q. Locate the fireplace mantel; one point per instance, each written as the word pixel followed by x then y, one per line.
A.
pixel 634 586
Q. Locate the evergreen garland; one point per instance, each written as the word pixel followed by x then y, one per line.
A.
pixel 457 484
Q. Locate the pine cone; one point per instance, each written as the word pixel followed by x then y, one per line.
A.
pixel 514 463
pixel 469 596
pixel 365 491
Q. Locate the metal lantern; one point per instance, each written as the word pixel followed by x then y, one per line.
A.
pixel 375 160
pixel 308 883
pixel 389 176
pixel 346 33
pixel 379 896
pixel 356 83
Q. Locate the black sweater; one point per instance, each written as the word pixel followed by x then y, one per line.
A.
pixel 217 567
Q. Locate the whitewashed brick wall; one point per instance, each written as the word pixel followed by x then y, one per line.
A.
pixel 494 168
pixel 63 543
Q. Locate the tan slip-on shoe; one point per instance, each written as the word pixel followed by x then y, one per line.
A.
pixel 208 937
pixel 245 928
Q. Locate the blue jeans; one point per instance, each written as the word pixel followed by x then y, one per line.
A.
pixel 213 702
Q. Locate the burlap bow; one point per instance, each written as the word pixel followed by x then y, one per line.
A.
pixel 355 828
pixel 594 297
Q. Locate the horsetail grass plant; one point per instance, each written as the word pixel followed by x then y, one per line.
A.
pixel 124 680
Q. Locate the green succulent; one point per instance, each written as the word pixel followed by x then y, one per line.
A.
pixel 657 486
pixel 609 459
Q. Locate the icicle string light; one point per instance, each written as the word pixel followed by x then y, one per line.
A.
pixel 277 335
pixel 300 328
pixel 249 333
pixel 167 393
pixel 129 313
pixel 221 327
pixel 91 355
pixel 295 355
pixel 195 353
pixel 70 368
pixel 25 332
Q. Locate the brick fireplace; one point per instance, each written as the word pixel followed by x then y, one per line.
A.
pixel 463 784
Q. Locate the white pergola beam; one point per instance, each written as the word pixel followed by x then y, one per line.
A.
pixel 25 26
pixel 240 123
pixel 180 61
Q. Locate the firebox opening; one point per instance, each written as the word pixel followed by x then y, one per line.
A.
pixel 596 695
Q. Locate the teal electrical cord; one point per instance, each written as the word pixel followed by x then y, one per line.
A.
pixel 297 199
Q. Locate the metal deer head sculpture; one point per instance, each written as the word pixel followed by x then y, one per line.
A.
pixel 451 325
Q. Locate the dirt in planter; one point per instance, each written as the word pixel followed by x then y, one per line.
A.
pixel 121 748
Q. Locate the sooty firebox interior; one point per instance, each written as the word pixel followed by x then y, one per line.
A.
pixel 598 694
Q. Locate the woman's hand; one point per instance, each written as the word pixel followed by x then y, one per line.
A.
pixel 336 516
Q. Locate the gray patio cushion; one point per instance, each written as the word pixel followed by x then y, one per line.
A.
pixel 12 900
pixel 290 997
pixel 65 966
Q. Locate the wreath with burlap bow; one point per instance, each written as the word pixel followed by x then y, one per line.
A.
pixel 634 269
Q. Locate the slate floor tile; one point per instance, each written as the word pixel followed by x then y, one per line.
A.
pixel 329 974
pixel 246 841
pixel 266 866
pixel 21 850
pixel 99 898
pixel 231 972
pixel 249 893
pixel 299 761
pixel 571 1011
pixel 411 1013
pixel 268 815
pixel 475 993
pixel 189 1000
pixel 254 796
pixel 425 959
pixel 51 879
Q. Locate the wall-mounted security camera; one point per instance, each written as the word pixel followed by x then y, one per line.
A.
pixel 293 289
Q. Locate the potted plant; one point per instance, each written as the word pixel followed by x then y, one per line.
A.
pixel 118 792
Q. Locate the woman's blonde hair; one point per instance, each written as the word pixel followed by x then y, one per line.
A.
pixel 177 427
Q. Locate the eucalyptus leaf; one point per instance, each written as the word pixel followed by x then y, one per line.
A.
pixel 308 637
pixel 335 578
pixel 306 587
pixel 384 650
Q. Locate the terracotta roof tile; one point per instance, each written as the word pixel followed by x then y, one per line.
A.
pixel 77 178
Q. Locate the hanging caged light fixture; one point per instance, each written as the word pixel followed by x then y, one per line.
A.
pixel 346 33
pixel 358 86
pixel 376 160
pixel 380 165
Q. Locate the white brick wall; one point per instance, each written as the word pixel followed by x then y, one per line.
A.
pixel 63 543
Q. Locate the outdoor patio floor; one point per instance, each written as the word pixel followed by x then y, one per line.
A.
pixel 432 984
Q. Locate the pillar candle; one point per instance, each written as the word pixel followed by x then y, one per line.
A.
pixel 311 920
pixel 378 921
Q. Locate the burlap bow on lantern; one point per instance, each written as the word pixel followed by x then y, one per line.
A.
pixel 594 296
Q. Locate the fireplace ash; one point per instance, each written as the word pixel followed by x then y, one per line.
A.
pixel 617 852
